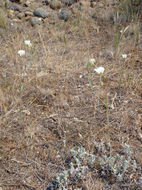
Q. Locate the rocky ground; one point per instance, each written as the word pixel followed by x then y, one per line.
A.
pixel 53 103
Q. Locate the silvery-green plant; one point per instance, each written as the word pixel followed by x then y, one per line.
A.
pixel 117 164
pixel 77 169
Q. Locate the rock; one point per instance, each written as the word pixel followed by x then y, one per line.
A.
pixel 35 21
pixel 28 13
pixel 13 6
pixel 21 15
pixel 46 2
pixel 10 14
pixel 40 12
pixel 69 2
pixel 27 3
pixel 64 14
pixel 54 4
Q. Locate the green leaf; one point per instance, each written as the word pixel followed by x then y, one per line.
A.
pixel 87 64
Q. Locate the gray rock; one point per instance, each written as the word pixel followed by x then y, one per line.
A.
pixel 13 6
pixel 35 21
pixel 54 4
pixel 69 2
pixel 21 15
pixel 40 12
pixel 64 14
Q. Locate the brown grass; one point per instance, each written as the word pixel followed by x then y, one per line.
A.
pixel 43 101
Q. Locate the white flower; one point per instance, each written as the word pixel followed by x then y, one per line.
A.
pixel 21 52
pixel 99 70
pixel 28 43
pixel 124 56
pixel 92 61
pixel 80 76
pixel 140 134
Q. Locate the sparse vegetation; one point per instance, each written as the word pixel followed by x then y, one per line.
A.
pixel 70 98
pixel 104 162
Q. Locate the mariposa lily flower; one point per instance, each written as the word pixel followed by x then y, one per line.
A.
pixel 92 61
pixel 21 52
pixel 99 70
pixel 28 43
pixel 124 56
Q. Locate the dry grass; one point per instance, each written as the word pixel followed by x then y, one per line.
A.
pixel 3 19
pixel 44 102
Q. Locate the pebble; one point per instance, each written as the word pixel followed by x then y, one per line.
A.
pixel 64 14
pixel 69 2
pixel 35 21
pixel 54 4
pixel 13 6
pixel 28 13
pixel 46 2
pixel 40 12
pixel 21 15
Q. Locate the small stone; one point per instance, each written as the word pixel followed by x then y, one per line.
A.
pixel 64 14
pixel 55 4
pixel 69 2
pixel 26 3
pixel 10 14
pixel 13 6
pixel 35 21
pixel 46 2
pixel 40 12
pixel 28 13
pixel 20 15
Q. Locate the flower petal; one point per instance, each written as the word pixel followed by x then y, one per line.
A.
pixel 21 52
pixel 99 70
